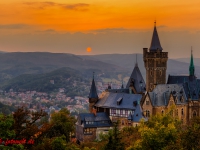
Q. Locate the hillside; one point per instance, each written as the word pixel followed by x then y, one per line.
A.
pixel 18 63
pixel 72 80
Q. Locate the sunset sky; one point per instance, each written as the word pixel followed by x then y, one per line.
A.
pixel 107 26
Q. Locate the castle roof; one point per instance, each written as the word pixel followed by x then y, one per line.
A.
pixel 93 91
pixel 137 80
pixel 190 83
pixel 101 119
pixel 160 96
pixel 155 42
pixel 118 100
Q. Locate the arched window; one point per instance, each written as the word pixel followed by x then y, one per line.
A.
pixel 162 112
pixel 176 112
pixel 194 114
pixel 182 112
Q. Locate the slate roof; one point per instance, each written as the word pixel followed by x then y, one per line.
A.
pixel 138 81
pixel 138 114
pixel 100 120
pixel 190 83
pixel 109 100
pixel 155 42
pixel 93 91
pixel 161 94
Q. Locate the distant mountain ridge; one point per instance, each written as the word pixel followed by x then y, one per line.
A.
pixel 174 66
pixel 18 63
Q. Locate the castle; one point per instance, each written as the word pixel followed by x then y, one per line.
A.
pixel 139 100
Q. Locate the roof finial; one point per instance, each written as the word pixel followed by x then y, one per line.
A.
pixel 136 64
pixel 155 23
pixel 93 74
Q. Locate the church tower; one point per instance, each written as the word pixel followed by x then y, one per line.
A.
pixel 155 62
pixel 93 97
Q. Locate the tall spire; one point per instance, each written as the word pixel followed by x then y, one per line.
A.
pixel 155 42
pixel 136 64
pixel 93 91
pixel 191 68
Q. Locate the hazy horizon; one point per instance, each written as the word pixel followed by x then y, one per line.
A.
pixel 105 26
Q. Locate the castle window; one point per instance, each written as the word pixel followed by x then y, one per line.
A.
pixel 126 113
pixel 162 112
pixel 121 112
pixel 87 131
pixel 176 112
pixel 147 102
pixel 151 72
pixel 194 113
pixel 182 112
pixel 160 72
pixel 147 113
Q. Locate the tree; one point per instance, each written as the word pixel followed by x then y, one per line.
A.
pixel 191 135
pixel 114 139
pixel 158 133
pixel 62 123
pixel 25 123
pixel 6 127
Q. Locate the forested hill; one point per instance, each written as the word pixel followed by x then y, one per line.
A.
pixel 18 63
pixel 72 80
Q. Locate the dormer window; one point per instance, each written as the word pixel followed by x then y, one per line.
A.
pixel 119 101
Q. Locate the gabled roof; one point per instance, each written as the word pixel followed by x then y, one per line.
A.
pixel 190 83
pixel 109 100
pixel 155 42
pixel 93 91
pixel 137 80
pixel 101 119
pixel 161 94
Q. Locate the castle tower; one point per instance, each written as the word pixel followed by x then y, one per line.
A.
pixel 155 62
pixel 93 97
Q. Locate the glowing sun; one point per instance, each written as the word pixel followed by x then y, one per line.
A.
pixel 88 49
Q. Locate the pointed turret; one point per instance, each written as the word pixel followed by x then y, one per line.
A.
pixel 93 91
pixel 191 68
pixel 136 81
pixel 155 42
pixel 93 97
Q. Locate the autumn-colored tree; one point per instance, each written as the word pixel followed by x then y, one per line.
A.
pixel 158 133
pixel 25 123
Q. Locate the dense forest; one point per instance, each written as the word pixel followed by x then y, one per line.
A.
pixel 33 130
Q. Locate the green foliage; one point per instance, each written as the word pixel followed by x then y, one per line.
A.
pixel 58 143
pixel 158 133
pixel 114 139
pixel 62 124
pixel 191 135
pixel 63 77
pixel 6 127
